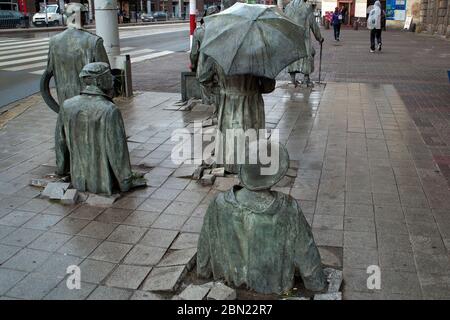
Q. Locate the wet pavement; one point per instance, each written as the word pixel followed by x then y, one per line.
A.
pixel 367 183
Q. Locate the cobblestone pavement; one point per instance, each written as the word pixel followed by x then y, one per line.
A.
pixel 368 182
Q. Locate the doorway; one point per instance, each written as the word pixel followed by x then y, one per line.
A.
pixel 346 7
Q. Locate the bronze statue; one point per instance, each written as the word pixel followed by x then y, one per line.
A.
pixel 68 53
pixel 91 140
pixel 203 65
pixel 303 15
pixel 259 238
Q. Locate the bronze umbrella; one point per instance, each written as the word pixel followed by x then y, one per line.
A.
pixel 253 39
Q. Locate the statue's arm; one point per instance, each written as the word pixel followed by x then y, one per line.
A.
pixel 307 256
pixel 204 268
pixel 61 149
pixel 100 51
pixel 315 28
pixel 45 85
pixel 117 149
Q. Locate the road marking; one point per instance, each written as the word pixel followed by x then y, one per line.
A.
pixel 21 50
pixel 23 46
pixel 26 54
pixel 150 56
pixel 132 53
pixel 23 42
pixel 39 72
pixel 21 61
pixel 27 66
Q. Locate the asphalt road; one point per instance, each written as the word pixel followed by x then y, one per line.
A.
pixel 28 52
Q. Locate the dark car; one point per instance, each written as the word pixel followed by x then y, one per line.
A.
pixel 12 19
pixel 160 16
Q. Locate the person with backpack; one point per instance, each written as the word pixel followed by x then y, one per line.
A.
pixel 374 25
pixel 336 21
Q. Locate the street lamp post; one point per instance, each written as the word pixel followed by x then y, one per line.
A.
pixel 192 20
pixel 107 27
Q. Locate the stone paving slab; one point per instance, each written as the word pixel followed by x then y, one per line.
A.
pixel 359 182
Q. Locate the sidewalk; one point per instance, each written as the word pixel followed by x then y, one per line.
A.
pixel 368 182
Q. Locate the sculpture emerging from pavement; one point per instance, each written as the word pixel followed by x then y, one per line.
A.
pixel 91 140
pixel 203 65
pixel 259 238
pixel 303 15
pixel 68 53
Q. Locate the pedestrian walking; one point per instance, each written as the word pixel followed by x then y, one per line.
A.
pixel 374 25
pixel 336 21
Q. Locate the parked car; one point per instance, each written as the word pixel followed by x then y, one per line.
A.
pixel 160 16
pixel 51 14
pixel 145 17
pixel 12 19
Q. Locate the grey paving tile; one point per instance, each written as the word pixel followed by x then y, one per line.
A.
pixel 391 226
pixel 141 218
pixel 185 241
pixel 27 260
pixel 98 230
pixel 169 221
pixel 50 241
pixel 59 209
pixel 114 215
pixel 62 292
pixel 160 238
pixel 359 210
pixel 12 202
pixel 110 251
pixel 400 282
pixel 128 277
pixel 389 213
pixel 86 212
pixel 129 202
pixel 21 237
pixel 35 205
pixel 331 238
pixel 34 286
pixel 107 293
pixel 70 225
pixel 144 256
pixel 193 224
pixel 94 271
pixel 165 194
pixel 328 222
pixel 359 224
pixel 183 257
pixel 7 252
pixel 80 246
pixel 127 234
pixel 154 205
pixel 16 218
pixel 5 230
pixel 164 279
pixel 42 222
pixel 181 208
pixel 8 278
pixel 360 258
pixel 56 265
pixel 358 239
pixel 145 295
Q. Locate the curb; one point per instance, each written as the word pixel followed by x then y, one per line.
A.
pixel 88 27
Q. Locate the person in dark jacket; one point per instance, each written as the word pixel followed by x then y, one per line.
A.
pixel 336 21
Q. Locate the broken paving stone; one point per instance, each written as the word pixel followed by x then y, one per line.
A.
pixel 96 200
pixel 294 164
pixel 207 180
pixel 330 257
pixel 70 196
pixel 184 172
pixel 225 183
pixel 198 172
pixel 55 190
pixel 218 172
pixel 328 296
pixel 40 182
pixel 195 292
pixel 334 278
pixel 291 173
pixel 207 123
pixel 221 292
pixel 185 257
pixel 166 279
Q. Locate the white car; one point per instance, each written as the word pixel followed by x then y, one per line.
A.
pixel 50 16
